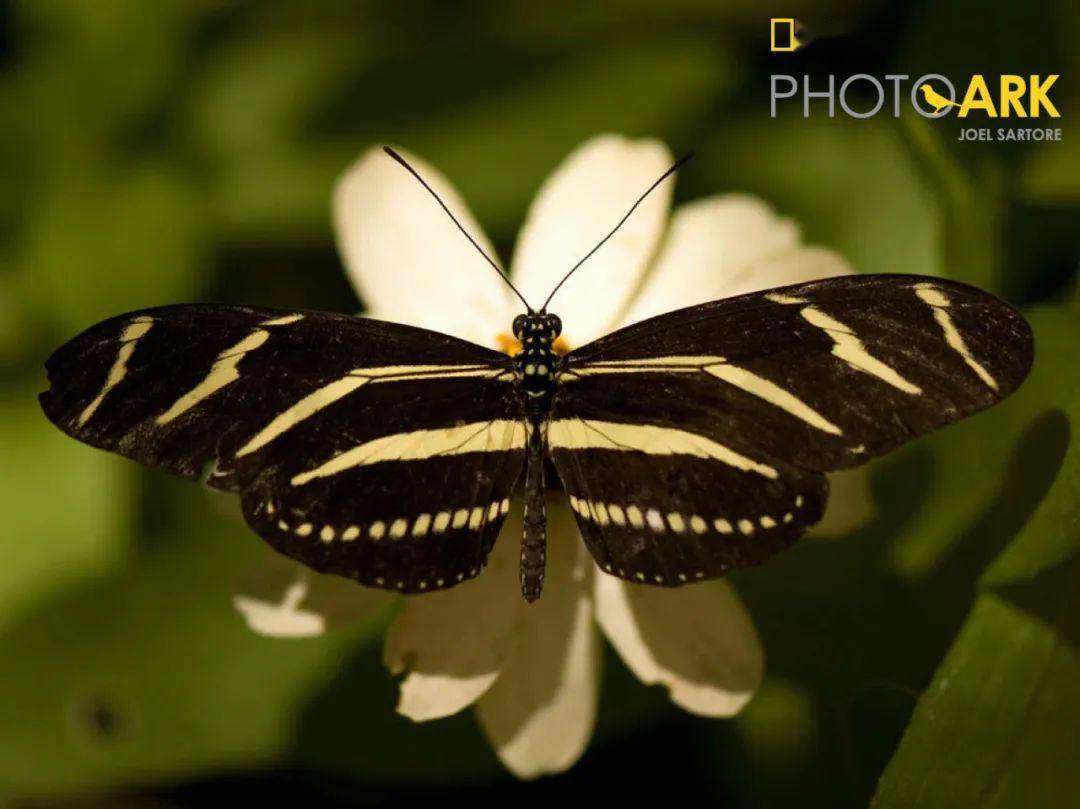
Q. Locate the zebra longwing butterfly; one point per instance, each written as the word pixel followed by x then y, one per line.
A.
pixel 688 445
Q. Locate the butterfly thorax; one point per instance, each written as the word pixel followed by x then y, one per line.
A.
pixel 535 363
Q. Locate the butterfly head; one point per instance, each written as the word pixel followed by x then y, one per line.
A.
pixel 537 326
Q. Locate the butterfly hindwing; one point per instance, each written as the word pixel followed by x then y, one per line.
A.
pixel 366 440
pixel 662 506
pixel 413 511
pixel 800 380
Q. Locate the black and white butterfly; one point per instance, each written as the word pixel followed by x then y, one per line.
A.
pixel 689 444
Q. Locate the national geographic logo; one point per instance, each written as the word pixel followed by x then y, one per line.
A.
pixel 783 34
pixel 931 95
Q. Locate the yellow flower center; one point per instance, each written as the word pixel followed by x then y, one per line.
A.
pixel 508 344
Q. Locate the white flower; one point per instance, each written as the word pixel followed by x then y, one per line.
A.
pixel 532 670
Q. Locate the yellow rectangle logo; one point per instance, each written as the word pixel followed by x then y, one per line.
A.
pixel 782 37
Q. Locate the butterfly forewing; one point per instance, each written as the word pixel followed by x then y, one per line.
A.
pixel 370 449
pixel 691 408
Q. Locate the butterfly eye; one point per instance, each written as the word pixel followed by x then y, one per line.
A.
pixel 519 325
pixel 556 325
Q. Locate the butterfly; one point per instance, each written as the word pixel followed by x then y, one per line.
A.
pixel 689 444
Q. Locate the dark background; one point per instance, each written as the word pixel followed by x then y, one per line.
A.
pixel 167 151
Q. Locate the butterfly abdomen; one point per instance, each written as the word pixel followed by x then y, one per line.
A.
pixel 534 536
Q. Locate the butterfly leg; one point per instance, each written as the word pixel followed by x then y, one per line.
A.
pixel 534 540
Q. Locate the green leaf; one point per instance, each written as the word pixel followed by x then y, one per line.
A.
pixel 150 675
pixel 950 515
pixel 1050 176
pixel 1000 722
pixel 807 169
pixel 1002 715
pixel 140 228
pixel 66 508
pixel 971 202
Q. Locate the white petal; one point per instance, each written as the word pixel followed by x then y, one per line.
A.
pixel 575 209
pixel 792 267
pixel 452 643
pixel 283 599
pixel 724 246
pixel 284 619
pixel 540 713
pixel 406 258
pixel 697 640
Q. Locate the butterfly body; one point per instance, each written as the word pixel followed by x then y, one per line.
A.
pixel 535 365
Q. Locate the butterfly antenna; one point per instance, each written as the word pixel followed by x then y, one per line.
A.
pixel 460 227
pixel 678 164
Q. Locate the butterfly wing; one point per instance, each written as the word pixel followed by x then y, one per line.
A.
pixel 665 506
pixel 717 422
pixel 370 449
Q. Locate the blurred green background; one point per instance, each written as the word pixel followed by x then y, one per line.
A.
pixel 185 150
